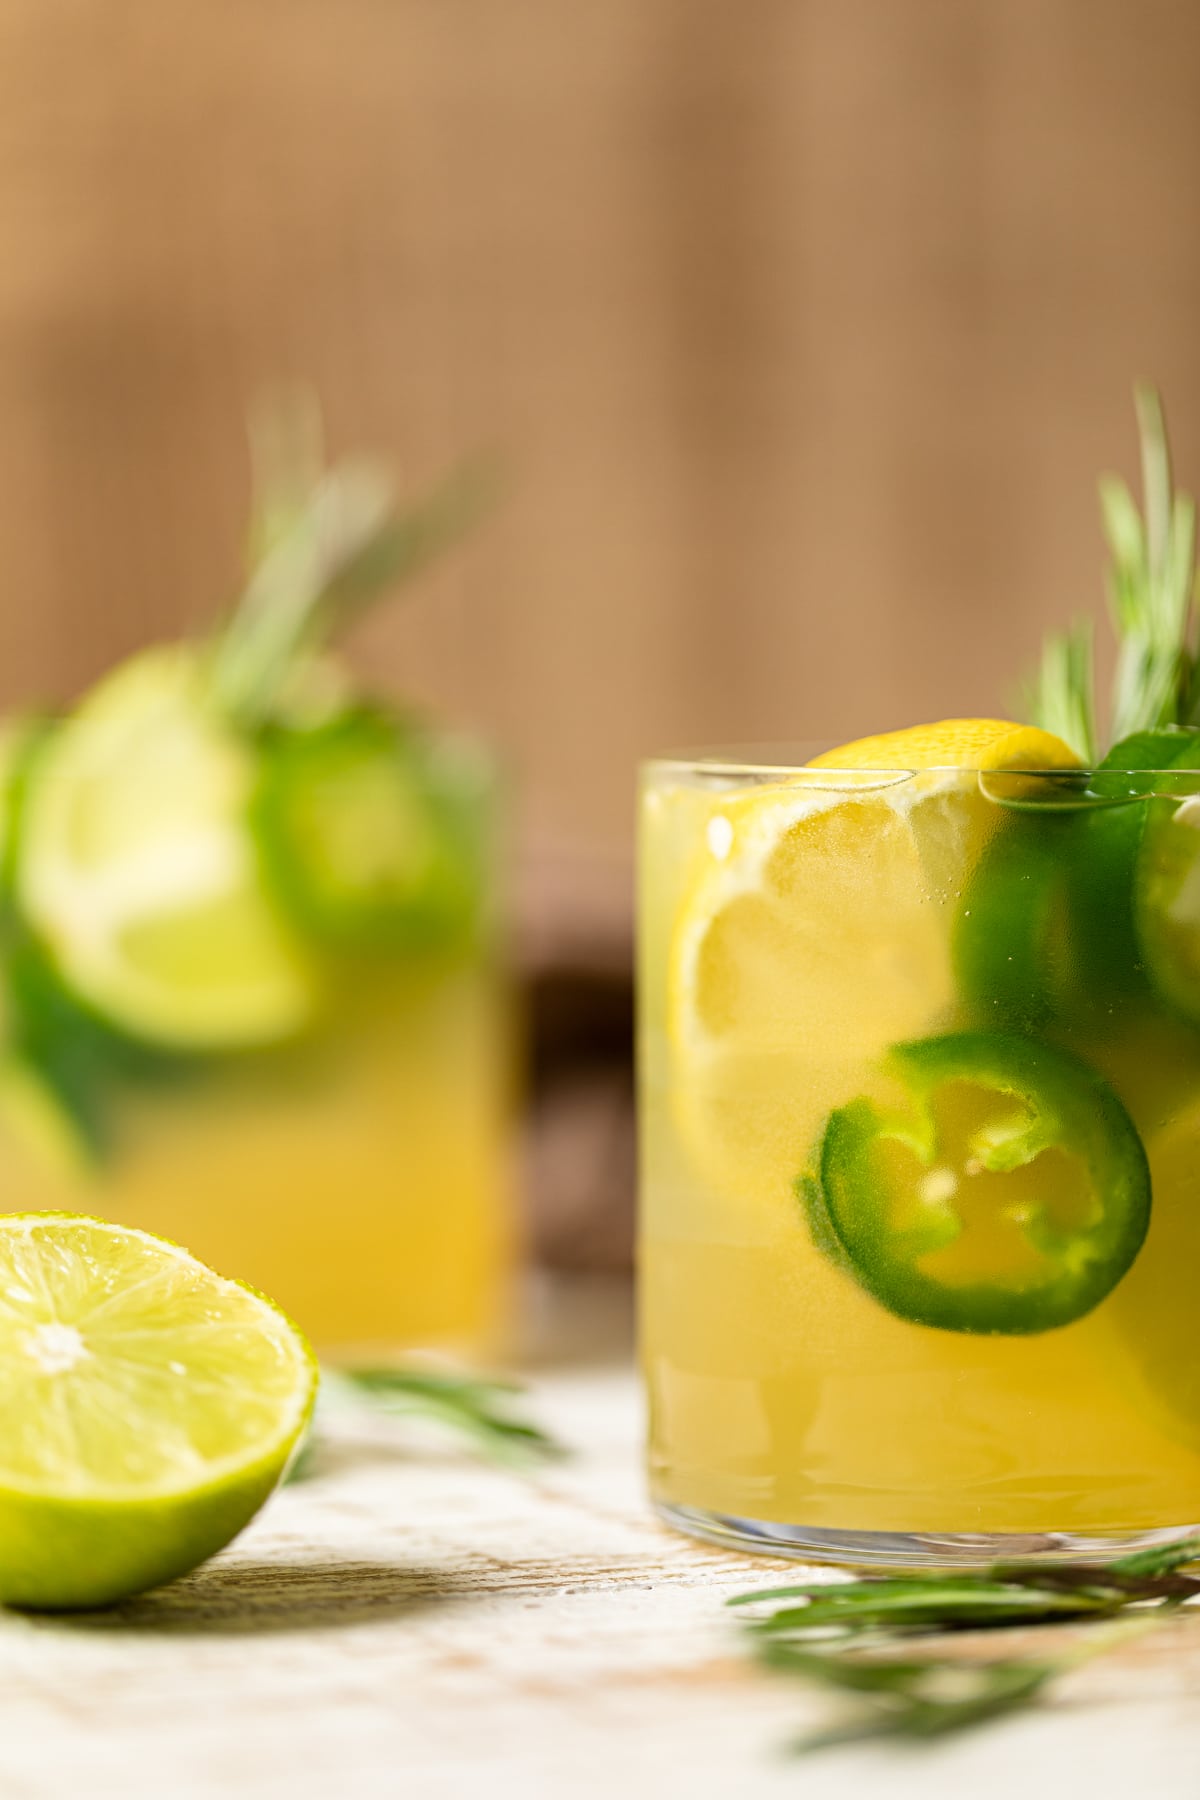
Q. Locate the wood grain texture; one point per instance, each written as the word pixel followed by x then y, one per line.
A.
pixel 414 1624
pixel 804 325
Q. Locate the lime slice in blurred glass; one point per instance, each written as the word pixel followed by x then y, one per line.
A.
pixel 371 831
pixel 137 869
pixel 20 740
pixel 147 1409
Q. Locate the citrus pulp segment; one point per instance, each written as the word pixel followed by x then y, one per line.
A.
pixel 147 1409
pixel 811 904
pixel 139 873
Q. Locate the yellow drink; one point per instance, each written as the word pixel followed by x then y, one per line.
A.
pixel 360 1177
pixel 805 1389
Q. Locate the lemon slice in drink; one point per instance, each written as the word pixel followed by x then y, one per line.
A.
pixel 137 869
pixel 814 934
pixel 147 1409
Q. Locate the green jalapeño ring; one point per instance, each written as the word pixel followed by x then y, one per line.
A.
pixel 919 1064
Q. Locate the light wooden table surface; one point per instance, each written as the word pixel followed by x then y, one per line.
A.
pixel 414 1624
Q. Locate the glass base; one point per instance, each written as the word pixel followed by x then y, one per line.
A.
pixel 912 1549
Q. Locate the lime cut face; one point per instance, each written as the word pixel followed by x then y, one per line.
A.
pixel 147 1409
pixel 138 869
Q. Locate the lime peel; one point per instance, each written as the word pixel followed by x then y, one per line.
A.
pixel 138 869
pixel 148 1407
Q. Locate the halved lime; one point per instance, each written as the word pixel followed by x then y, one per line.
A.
pixel 137 868
pixel 147 1409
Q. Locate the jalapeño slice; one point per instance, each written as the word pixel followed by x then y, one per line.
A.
pixel 1008 1194
pixel 370 832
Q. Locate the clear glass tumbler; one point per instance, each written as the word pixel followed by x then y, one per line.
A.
pixel 920 1123
pixel 252 997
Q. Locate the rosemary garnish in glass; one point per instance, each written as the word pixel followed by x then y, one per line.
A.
pixel 1151 584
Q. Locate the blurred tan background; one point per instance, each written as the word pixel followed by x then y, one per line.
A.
pixel 803 326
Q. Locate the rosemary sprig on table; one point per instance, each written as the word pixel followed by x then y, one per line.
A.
pixel 476 1407
pixel 1151 584
pixel 882 1638
pixel 482 1411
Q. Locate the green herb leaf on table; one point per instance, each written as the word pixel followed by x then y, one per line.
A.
pixel 928 1698
pixel 482 1411
pixel 882 1638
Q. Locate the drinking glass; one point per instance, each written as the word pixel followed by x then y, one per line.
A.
pixel 217 1030
pixel 919 1066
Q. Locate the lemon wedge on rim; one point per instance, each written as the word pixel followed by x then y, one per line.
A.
pixel 981 744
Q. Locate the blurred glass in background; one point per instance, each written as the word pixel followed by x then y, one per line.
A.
pixel 249 941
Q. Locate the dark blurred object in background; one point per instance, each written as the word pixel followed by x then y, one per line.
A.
pixel 575 961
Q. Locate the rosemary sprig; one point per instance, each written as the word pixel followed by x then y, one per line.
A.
pixel 881 1638
pixel 324 543
pixel 478 1407
pixel 1151 585
pixel 1060 697
pixel 480 1410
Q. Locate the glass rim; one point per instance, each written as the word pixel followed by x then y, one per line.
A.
pixel 797 759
